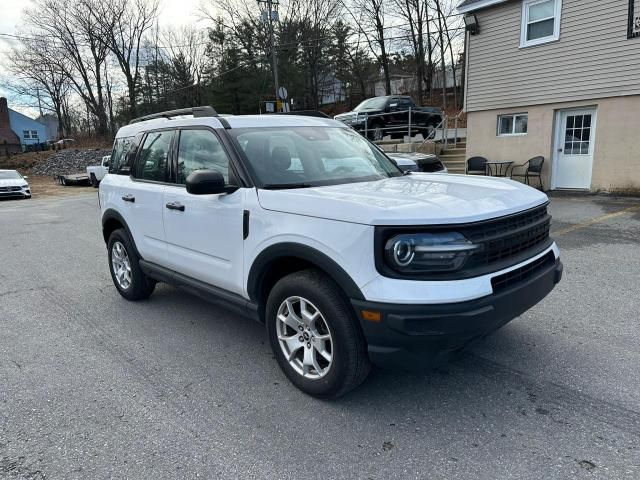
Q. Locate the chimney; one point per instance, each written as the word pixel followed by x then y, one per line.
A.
pixel 4 113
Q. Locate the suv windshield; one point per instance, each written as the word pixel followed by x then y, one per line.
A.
pixel 377 103
pixel 9 175
pixel 297 157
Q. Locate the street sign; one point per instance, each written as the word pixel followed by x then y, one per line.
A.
pixel 282 93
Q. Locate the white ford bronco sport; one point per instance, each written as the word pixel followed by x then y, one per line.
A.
pixel 302 224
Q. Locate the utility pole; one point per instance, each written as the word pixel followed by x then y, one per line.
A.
pixel 274 54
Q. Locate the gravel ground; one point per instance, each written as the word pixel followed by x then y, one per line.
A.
pixel 92 386
pixel 68 162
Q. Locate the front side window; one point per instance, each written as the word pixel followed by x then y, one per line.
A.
pixel 153 159
pixel 514 124
pixel 200 150
pixel 540 21
pixel 298 157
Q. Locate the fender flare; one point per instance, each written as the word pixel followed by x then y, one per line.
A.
pixel 271 254
pixel 111 214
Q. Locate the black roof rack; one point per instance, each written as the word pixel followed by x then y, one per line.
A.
pixel 306 113
pixel 197 112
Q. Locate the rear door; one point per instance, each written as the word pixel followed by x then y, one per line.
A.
pixel 204 233
pixel 143 194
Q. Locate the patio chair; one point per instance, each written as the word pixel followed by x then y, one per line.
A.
pixel 477 166
pixel 532 168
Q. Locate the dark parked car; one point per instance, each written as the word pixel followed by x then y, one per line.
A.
pixel 380 116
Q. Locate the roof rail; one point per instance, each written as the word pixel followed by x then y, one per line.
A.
pixel 197 112
pixel 306 113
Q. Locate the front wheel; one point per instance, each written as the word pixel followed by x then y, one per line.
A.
pixel 125 269
pixel 315 336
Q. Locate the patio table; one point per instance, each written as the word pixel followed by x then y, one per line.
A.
pixel 498 169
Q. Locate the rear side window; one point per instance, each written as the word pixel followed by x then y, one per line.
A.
pixel 200 150
pixel 153 158
pixel 118 162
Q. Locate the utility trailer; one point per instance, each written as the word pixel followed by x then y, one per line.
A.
pixel 78 179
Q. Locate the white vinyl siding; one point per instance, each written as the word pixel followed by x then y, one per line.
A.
pixel 513 124
pixel 592 59
pixel 540 22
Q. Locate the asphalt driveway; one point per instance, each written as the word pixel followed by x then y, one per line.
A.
pixel 92 386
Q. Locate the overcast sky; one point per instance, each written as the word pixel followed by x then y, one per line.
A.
pixel 172 13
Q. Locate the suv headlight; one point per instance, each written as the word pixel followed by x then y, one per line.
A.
pixel 428 252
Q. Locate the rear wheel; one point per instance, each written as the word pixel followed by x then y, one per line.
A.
pixel 124 265
pixel 314 335
pixel 94 181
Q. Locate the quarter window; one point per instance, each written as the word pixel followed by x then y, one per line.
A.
pixel 118 163
pixel 200 150
pixel 154 155
pixel 515 124
pixel 540 21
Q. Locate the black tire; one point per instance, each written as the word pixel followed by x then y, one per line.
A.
pixel 94 181
pixel 141 286
pixel 350 363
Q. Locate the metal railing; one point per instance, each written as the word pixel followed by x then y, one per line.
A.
pixel 410 127
pixel 444 127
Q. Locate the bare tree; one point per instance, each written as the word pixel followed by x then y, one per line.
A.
pixel 369 18
pixel 39 76
pixel 70 27
pixel 185 50
pixel 416 15
pixel 123 25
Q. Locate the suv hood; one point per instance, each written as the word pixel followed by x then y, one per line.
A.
pixel 410 200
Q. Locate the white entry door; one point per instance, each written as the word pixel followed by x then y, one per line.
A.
pixel 575 137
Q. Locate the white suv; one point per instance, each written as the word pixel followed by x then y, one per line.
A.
pixel 302 224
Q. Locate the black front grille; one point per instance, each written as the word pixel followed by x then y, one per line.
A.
pixel 10 189
pixel 519 275
pixel 503 239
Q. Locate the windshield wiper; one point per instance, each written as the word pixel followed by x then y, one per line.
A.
pixel 285 186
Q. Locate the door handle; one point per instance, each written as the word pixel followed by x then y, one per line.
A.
pixel 129 198
pixel 175 206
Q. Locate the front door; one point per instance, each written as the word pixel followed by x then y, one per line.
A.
pixel 204 232
pixel 574 148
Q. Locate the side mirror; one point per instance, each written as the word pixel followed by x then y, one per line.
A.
pixel 208 182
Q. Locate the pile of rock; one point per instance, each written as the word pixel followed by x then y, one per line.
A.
pixel 68 162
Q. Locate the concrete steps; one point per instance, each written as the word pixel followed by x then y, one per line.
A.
pixel 455 159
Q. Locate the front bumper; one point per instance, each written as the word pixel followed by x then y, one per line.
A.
pixel 16 194
pixel 423 336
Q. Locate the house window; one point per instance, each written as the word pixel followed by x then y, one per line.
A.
pixel 513 124
pixel 26 134
pixel 540 22
pixel 34 134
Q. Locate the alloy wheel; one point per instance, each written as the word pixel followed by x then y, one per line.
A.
pixel 304 337
pixel 121 265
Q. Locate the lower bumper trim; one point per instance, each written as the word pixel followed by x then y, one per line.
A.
pixel 419 336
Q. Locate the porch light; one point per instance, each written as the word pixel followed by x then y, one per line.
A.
pixel 471 24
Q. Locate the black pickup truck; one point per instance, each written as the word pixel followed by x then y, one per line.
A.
pixel 381 116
